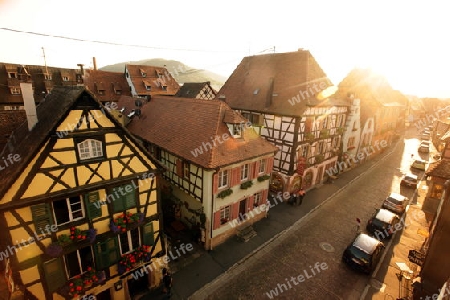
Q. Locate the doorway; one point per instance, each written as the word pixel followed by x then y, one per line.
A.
pixel 243 209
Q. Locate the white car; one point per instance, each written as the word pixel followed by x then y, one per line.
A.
pixel 419 164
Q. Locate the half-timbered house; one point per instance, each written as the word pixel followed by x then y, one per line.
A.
pixel 286 97
pixel 217 166
pixel 198 90
pixel 79 208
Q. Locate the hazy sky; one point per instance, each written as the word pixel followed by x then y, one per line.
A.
pixel 407 41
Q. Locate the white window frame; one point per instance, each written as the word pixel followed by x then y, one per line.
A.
pixel 225 213
pixel 71 212
pixel 65 78
pixel 257 199
pixel 94 149
pixel 223 179
pixel 244 172
pixel 15 90
pixel 129 240
pixel 79 262
pixel 262 166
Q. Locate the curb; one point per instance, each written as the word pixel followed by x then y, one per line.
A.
pixel 203 292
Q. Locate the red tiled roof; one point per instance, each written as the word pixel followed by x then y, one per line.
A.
pixel 192 89
pixel 181 126
pixel 114 85
pixel 156 76
pixel 440 169
pixel 270 82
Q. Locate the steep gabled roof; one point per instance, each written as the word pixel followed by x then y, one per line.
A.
pixel 196 131
pixel 114 84
pixel 157 77
pixel 9 120
pixel 280 83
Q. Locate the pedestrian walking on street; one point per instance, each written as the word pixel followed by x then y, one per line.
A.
pixel 167 281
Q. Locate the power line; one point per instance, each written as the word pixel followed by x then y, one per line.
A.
pixel 115 44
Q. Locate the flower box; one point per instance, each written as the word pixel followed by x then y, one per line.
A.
pixel 246 185
pixel 125 220
pixel 263 177
pixel 225 193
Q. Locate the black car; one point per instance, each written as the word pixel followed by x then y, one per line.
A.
pixel 364 253
pixel 410 180
pixel 383 224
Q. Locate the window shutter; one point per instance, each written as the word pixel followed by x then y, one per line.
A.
pixel 42 216
pixel 179 166
pixel 215 183
pixel 250 202
pixel 148 236
pixel 130 198
pixel 106 253
pixel 216 220
pixel 257 164
pixel 93 205
pixel 54 274
pixel 235 176
pixel 269 165
pixel 234 210
pixel 118 202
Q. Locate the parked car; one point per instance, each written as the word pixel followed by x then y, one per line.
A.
pixel 363 253
pixel 409 180
pixel 419 164
pixel 396 203
pixel 425 137
pixel 424 148
pixel 382 224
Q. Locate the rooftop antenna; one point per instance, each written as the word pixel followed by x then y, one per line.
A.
pixel 45 61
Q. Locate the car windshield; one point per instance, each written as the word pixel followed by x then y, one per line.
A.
pixel 410 178
pixel 359 254
pixel 378 223
pixel 395 201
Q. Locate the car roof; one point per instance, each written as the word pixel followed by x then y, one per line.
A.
pixel 397 197
pixel 385 215
pixel 366 243
pixel 411 176
pixel 420 161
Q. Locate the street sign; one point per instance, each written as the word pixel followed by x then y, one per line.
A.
pixel 416 257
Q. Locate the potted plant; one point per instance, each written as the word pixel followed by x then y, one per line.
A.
pixel 126 263
pixel 225 193
pixel 64 240
pixel 76 234
pixel 142 254
pixel 54 250
pixel 89 278
pixel 263 177
pixel 223 221
pixel 76 287
pixel 246 185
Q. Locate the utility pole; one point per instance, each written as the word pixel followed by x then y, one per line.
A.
pixel 45 61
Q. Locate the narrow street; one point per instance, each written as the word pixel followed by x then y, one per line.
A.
pixel 319 239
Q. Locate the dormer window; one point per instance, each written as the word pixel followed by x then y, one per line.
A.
pixel 100 88
pixel 65 78
pixel 15 90
pixel 47 76
pixel 147 85
pixel 143 73
pixel 235 130
pixel 89 149
pixel 164 87
pixel 12 75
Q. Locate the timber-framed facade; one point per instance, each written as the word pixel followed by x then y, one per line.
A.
pixel 80 207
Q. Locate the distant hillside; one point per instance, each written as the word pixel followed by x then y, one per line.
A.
pixel 181 72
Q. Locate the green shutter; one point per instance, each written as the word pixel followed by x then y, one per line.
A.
pixel 148 234
pixel 106 253
pixel 130 198
pixel 118 202
pixel 54 274
pixel 93 205
pixel 42 216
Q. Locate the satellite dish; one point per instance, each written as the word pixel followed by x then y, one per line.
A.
pixel 138 103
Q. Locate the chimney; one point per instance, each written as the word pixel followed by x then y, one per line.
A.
pixel 81 69
pixel 94 61
pixel 29 104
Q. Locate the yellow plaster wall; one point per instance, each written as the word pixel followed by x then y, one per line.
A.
pixel 113 150
pixel 70 121
pixel 10 220
pixel 16 185
pixel 37 290
pixel 158 247
pixel 155 226
pixel 64 143
pixel 102 119
pixel 29 275
pixel 102 226
pixel 112 137
pixel 152 210
pixel 141 154
pixel 28 252
pixel 66 157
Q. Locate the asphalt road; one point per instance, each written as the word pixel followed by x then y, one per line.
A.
pixel 318 239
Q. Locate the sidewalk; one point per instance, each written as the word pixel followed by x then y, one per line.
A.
pixel 209 265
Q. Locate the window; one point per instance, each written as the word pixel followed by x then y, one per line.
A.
pixel 129 240
pixel 90 148
pixel 65 78
pixel 68 210
pixel 164 87
pixel 235 130
pixel 78 261
pixel 262 166
pixel 244 172
pixel 101 92
pixel 437 191
pixel 257 199
pixel 47 77
pixel 223 179
pixel 12 75
pixel 225 214
pixel 15 90
pixel 351 143
pixel 123 197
